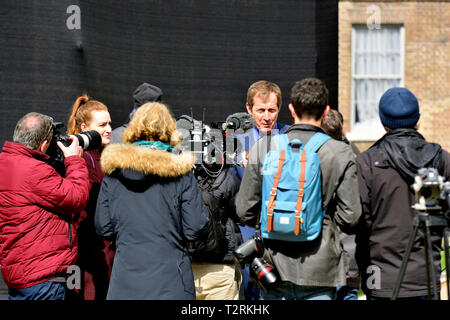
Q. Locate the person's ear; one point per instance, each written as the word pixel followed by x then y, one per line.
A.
pixel 249 108
pixel 325 112
pixel 292 110
pixel 83 127
pixel 43 146
pixel 327 109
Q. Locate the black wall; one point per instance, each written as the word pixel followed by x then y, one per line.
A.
pixel 201 53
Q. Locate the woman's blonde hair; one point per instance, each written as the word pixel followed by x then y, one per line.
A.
pixel 82 113
pixel 153 121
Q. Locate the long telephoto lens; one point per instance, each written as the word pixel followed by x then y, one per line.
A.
pixel 89 140
pixel 264 272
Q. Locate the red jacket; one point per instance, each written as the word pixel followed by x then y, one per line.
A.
pixel 37 237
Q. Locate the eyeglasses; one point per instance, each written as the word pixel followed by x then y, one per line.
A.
pixel 50 129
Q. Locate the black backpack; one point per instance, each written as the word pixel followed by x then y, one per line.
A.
pixel 214 246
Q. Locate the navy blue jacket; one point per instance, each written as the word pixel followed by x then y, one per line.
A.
pixel 151 203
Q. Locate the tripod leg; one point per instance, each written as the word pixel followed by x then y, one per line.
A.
pixel 429 263
pixel 402 271
pixel 447 259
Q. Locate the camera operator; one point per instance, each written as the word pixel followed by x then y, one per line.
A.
pixel 215 275
pixel 37 235
pixel 386 172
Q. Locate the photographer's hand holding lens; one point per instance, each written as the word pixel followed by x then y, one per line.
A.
pixel 73 149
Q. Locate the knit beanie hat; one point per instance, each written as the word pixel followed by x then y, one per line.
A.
pixel 399 108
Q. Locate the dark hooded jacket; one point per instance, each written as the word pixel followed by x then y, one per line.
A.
pixel 150 201
pixel 221 190
pixel 385 173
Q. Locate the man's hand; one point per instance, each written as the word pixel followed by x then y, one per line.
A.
pixel 73 150
pixel 244 156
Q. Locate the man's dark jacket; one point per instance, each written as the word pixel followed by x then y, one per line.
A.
pixel 222 191
pixel 385 173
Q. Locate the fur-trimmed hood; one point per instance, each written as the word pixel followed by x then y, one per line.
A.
pixel 145 160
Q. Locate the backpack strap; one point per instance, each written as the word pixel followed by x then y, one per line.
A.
pixel 273 192
pixel 298 207
pixel 316 141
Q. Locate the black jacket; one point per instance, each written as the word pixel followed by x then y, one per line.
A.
pixel 385 174
pixel 150 201
pixel 222 190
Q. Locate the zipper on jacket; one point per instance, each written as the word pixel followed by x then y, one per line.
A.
pixel 70 236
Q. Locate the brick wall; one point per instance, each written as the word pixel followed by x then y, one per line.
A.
pixel 427 59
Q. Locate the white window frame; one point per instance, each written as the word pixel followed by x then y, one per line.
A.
pixel 371 135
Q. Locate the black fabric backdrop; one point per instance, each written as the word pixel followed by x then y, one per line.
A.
pixel 200 53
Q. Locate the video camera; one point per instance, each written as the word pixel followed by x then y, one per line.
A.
pixel 431 191
pixel 214 146
pixel 89 140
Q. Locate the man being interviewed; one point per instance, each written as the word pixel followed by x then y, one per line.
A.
pixel 309 269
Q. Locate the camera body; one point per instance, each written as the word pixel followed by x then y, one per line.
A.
pixel 428 187
pixel 261 271
pixel 89 140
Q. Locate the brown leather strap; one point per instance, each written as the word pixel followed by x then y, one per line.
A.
pixel 298 207
pixel 273 193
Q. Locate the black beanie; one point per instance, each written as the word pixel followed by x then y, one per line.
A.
pixel 399 108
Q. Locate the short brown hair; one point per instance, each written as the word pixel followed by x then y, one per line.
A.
pixel 263 88
pixel 309 98
pixel 152 121
pixel 332 124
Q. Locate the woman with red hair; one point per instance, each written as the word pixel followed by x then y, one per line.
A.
pixel 95 255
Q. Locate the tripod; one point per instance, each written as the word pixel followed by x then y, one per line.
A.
pixel 425 221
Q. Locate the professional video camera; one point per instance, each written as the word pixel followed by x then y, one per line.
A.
pixel 214 146
pixel 432 204
pixel 89 140
pixel 261 271
pixel 430 190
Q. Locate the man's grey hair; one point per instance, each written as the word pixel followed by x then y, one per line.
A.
pixel 32 129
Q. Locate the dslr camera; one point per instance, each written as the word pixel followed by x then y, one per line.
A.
pixel 89 140
pixel 261 271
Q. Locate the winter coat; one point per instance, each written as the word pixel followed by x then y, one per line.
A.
pixel 223 189
pixel 320 262
pixel 150 202
pixel 95 255
pixel 37 236
pixel 386 172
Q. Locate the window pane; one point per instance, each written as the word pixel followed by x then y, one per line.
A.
pixel 377 51
pixel 377 66
pixel 367 95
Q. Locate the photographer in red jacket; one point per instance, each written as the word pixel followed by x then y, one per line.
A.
pixel 37 239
